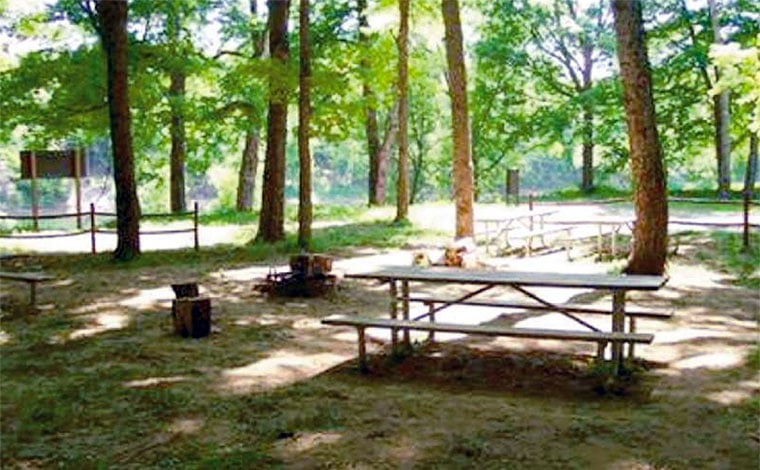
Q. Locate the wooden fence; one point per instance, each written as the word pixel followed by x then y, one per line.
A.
pixel 94 229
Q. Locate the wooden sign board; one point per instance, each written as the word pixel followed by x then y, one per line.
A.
pixel 53 164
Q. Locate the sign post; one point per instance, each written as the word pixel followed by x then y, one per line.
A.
pixel 35 195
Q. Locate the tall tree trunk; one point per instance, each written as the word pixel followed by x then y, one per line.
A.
pixel 178 151
pixel 304 114
pixel 750 177
pixel 402 186
pixel 247 173
pixel 249 163
pixel 370 112
pixel 650 197
pixel 587 184
pixel 383 154
pixel 112 20
pixel 462 163
pixel 272 216
pixel 722 118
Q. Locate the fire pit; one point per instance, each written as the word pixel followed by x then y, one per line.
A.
pixel 310 275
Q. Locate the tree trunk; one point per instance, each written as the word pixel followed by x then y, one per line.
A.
pixel 462 163
pixel 304 114
pixel 249 163
pixel 750 177
pixel 177 158
pixel 650 198
pixel 383 154
pixel 402 186
pixel 587 183
pixel 272 216
pixel 722 118
pixel 370 111
pixel 112 19
pixel 247 174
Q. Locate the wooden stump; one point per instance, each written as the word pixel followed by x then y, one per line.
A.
pixel 192 316
pixel 189 289
pixel 310 264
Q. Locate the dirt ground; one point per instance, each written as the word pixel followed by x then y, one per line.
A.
pixel 273 379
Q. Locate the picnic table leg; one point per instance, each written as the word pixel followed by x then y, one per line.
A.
pixel 405 310
pixel 618 325
pixel 631 329
pixel 33 293
pixel 431 316
pixel 599 243
pixel 362 351
pixel 394 311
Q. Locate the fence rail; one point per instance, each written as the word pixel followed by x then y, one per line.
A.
pixel 94 229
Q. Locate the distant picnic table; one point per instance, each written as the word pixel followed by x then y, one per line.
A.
pixel 399 279
pixel 526 225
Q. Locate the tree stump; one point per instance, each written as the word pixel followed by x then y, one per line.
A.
pixel 192 316
pixel 310 264
pixel 188 289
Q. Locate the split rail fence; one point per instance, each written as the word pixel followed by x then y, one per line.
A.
pixel 94 229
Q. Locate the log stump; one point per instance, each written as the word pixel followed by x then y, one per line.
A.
pixel 192 316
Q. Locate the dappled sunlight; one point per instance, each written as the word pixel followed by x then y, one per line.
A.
pixel 281 368
pixel 99 323
pixel 557 321
pixel 694 276
pixel 714 360
pixel 687 334
pixel 5 338
pixel 149 298
pixel 155 382
pixel 303 442
pixel 185 426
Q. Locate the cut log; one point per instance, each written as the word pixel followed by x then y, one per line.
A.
pixel 183 291
pixel 192 317
pixel 310 264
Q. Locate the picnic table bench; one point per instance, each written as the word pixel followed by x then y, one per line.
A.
pixel 31 278
pixel 520 281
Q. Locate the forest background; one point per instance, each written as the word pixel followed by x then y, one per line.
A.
pixel 544 91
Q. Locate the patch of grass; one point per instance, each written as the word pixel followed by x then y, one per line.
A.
pixel 575 193
pixel 727 254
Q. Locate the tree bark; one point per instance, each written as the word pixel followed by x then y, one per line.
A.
pixel 462 163
pixel 722 119
pixel 587 183
pixel 247 173
pixel 249 163
pixel 179 146
pixel 272 216
pixel 750 177
pixel 112 24
pixel 376 186
pixel 304 114
pixel 402 186
pixel 650 195
pixel 383 154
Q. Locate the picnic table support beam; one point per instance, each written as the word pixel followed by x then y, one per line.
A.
pixel 363 368
pixel 394 311
pixel 618 325
pixel 431 316
pixel 631 329
pixel 405 310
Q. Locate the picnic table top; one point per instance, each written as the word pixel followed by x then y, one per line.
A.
pixel 519 214
pixel 26 276
pixel 522 278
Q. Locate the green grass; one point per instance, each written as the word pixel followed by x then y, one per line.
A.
pixel 728 254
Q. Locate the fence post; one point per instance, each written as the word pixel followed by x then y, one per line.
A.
pixel 92 228
pixel 531 195
pixel 745 237
pixel 195 224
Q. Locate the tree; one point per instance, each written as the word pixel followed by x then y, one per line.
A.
pixel 402 186
pixel 112 20
pixel 272 215
pixel 304 111
pixel 461 161
pixel 249 161
pixel 177 78
pixel 650 197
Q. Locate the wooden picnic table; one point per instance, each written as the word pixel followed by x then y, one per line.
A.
pixel 526 224
pixel 31 278
pixel 484 280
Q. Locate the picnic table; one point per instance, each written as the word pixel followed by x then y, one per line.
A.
pixel 31 278
pixel 527 225
pixel 482 281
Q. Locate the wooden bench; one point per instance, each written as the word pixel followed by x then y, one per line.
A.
pixel 601 338
pixel 520 305
pixel 30 278
pixel 541 234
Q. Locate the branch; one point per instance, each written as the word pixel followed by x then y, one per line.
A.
pixel 693 36
pixel 88 9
